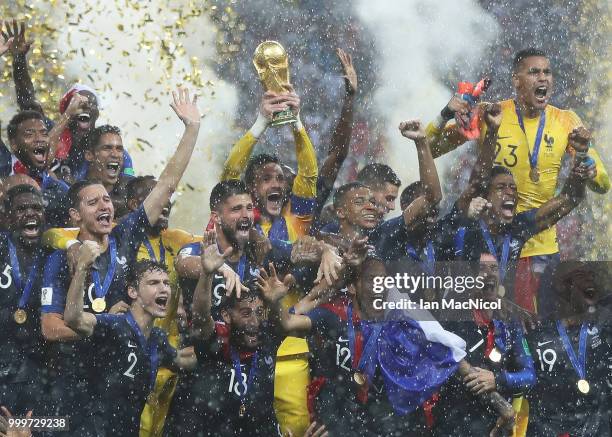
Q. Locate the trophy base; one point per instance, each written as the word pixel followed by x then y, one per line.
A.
pixel 283 117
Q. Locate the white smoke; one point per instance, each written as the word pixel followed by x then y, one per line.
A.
pixel 121 51
pixel 418 43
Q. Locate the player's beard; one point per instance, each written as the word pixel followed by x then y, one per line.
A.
pixel 231 236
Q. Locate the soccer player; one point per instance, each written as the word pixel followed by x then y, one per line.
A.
pixel 533 138
pixel 22 361
pixel 103 149
pixel 31 155
pixel 502 362
pixel 162 245
pixel 572 354
pixel 129 349
pixel 92 209
pixel 72 126
pixel 283 213
pixel 340 141
pixel 368 370
pixel 234 383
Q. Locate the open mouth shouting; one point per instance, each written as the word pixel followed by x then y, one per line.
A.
pixel 507 209
pixel 83 121
pixel 541 95
pixel 112 169
pixel 243 227
pixel 31 229
pixel 274 201
pixel 105 220
pixel 162 303
pixel 39 155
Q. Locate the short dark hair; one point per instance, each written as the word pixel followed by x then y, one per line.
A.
pixel 376 174
pixel 495 171
pixel 17 190
pixel 410 193
pixel 228 302
pixel 73 192
pixel 137 270
pixel 343 190
pixel 524 54
pixel 135 184
pixel 92 138
pixel 20 117
pixel 254 163
pixel 225 189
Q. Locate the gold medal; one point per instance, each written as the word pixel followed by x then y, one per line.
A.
pixel 98 305
pixel 495 355
pixel 583 386
pixel 534 174
pixel 359 378
pixel 501 291
pixel 242 410
pixel 20 316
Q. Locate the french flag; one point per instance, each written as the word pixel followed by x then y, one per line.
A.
pixel 415 354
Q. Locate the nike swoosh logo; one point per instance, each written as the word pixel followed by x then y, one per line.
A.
pixel 130 344
pixel 342 339
pixel 544 342
pixel 504 138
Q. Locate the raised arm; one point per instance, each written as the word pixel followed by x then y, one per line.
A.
pixel 413 130
pixel 305 182
pixel 75 318
pixel 77 103
pixel 19 47
pixel 580 139
pixel 482 169
pixel 238 157
pixel 187 110
pixel 341 138
pixel 211 260
pixel 444 138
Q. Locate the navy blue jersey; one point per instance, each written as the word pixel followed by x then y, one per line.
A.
pixel 125 371
pixel 217 389
pixel 21 350
pixel 127 237
pixel 55 201
pixel 72 360
pixel 280 255
pixel 323 192
pixel 339 403
pixel 457 410
pixel 555 405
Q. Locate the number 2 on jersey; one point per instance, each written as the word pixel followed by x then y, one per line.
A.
pixel 132 359
pixel 513 158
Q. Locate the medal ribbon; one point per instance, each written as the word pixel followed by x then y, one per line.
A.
pixel 533 155
pixel 238 370
pixel 162 250
pixel 502 339
pixel 503 262
pixel 16 273
pixel 101 290
pixel 429 265
pixel 579 362
pixel 143 344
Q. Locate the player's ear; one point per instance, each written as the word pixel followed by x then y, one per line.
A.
pixel 340 212
pixel 226 317
pixel 75 216
pixel 89 155
pixel 515 80
pixel 132 292
pixel 215 217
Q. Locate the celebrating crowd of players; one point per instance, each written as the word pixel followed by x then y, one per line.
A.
pixel 266 323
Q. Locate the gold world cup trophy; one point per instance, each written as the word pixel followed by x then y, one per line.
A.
pixel 272 65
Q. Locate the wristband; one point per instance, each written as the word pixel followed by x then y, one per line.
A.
pixel 260 125
pixel 70 243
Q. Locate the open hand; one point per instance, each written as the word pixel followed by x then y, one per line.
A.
pixel 350 75
pixel 210 257
pixel 186 109
pixel 271 287
pixel 16 37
